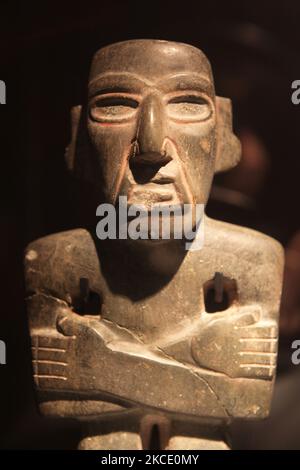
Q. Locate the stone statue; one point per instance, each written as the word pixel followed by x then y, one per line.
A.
pixel 151 345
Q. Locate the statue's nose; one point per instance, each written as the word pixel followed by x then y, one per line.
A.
pixel 151 130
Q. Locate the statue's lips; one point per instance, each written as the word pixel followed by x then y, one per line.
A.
pixel 153 193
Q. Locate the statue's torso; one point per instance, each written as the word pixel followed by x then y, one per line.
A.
pixel 152 335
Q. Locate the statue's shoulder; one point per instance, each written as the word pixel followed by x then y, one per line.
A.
pixel 58 246
pixel 55 263
pixel 236 239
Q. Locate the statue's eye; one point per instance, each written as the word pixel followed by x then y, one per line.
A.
pixel 113 108
pixel 189 109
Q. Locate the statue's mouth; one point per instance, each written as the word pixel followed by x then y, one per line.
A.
pixel 153 193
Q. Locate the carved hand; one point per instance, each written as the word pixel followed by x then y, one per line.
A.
pixel 239 345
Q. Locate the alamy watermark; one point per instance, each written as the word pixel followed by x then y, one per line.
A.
pixel 161 222
pixel 296 354
pixel 2 92
pixel 296 93
pixel 2 352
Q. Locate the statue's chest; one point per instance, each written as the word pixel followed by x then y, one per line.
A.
pixel 148 307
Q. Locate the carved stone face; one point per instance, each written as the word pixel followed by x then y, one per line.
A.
pixel 151 121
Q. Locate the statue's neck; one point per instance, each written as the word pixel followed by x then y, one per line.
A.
pixel 162 259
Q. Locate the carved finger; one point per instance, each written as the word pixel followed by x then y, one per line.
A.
pixel 245 319
pixel 49 368
pixel 268 345
pixel 48 341
pixel 257 358
pixel 257 371
pixel 264 330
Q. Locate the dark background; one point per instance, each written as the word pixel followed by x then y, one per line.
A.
pixel 45 52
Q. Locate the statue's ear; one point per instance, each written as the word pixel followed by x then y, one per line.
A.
pixel 78 151
pixel 228 145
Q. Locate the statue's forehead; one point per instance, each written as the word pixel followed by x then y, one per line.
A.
pixel 151 60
